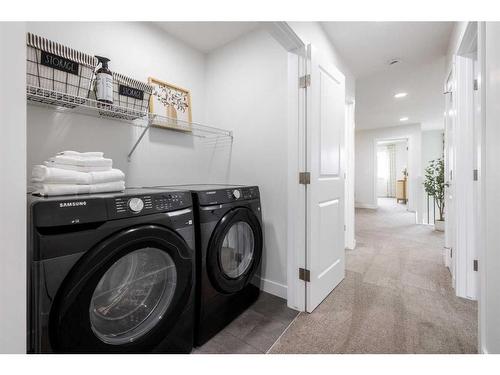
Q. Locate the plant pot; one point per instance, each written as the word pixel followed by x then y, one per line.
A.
pixel 439 225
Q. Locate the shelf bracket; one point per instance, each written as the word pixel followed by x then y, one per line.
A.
pixel 129 156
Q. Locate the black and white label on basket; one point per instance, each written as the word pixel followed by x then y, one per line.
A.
pixel 131 92
pixel 104 87
pixel 59 63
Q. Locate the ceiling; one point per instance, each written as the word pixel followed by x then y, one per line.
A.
pixel 376 106
pixel 366 47
pixel 207 36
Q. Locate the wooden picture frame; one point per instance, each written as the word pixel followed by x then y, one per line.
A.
pixel 172 104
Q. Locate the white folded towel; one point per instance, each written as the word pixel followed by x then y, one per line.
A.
pixel 70 189
pixel 82 161
pixel 78 168
pixel 92 154
pixel 48 175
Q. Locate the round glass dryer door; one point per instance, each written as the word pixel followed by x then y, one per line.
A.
pixel 132 296
pixel 237 250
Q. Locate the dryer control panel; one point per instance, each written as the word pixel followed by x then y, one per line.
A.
pixel 228 195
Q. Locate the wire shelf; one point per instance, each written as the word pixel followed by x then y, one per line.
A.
pixel 69 103
pixel 74 104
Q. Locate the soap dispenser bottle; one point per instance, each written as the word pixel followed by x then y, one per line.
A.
pixel 104 82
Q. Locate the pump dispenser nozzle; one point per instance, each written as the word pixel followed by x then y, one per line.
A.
pixel 104 61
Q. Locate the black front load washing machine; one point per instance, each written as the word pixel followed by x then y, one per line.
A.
pixel 111 273
pixel 229 244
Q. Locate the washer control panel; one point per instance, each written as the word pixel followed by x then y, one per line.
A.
pixel 123 206
pixel 134 205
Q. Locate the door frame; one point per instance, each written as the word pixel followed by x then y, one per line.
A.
pixel 448 89
pixel 296 194
pixel 296 139
pixel 474 32
pixel 349 147
pixel 465 187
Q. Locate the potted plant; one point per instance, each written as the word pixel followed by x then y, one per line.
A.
pixel 434 187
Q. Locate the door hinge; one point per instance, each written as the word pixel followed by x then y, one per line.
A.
pixel 345 228
pixel 476 85
pixel 304 178
pixel 304 274
pixel 476 265
pixel 474 174
pixel 305 81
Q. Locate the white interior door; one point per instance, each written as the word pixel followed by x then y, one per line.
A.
pixel 325 253
pixel 449 162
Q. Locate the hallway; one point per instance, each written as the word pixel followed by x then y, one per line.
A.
pixel 396 297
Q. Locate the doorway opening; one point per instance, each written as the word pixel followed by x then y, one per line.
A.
pixel 392 172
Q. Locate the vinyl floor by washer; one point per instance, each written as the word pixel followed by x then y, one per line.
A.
pixel 254 331
pixel 396 297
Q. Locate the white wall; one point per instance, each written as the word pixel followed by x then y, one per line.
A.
pixel 138 50
pixel 365 187
pixel 491 262
pixel 432 146
pixel 246 90
pixel 401 159
pixel 432 149
pixel 312 32
pixel 12 189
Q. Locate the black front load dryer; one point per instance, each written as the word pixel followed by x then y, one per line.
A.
pixel 229 251
pixel 111 273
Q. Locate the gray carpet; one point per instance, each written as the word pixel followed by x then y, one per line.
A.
pixel 396 297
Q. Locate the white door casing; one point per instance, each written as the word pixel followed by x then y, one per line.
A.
pixel 449 163
pixel 325 253
pixel 465 254
pixel 349 142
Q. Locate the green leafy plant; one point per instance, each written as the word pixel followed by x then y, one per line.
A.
pixel 434 183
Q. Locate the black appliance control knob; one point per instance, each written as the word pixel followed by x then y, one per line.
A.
pixel 236 194
pixel 136 204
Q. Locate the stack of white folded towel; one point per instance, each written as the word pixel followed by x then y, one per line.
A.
pixel 71 172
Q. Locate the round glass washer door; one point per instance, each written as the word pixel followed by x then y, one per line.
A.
pixel 237 250
pixel 132 296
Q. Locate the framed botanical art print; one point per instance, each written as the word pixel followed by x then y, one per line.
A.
pixel 172 104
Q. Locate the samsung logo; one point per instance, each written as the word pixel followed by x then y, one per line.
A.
pixel 72 204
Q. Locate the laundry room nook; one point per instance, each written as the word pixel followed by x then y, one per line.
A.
pixel 190 191
pixel 166 187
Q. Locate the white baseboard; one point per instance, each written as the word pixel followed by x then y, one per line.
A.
pixel 365 205
pixel 353 245
pixel 271 287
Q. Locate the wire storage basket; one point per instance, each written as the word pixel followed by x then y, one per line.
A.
pixel 53 66
pixel 130 98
